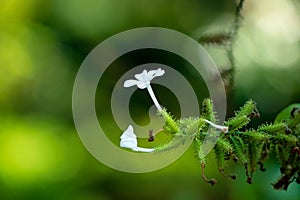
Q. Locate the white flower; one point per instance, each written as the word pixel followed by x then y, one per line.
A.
pixel 143 81
pixel 144 78
pixel 128 140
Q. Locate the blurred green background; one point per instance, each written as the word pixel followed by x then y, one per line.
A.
pixel 42 44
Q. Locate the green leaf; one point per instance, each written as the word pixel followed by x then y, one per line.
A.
pixel 285 113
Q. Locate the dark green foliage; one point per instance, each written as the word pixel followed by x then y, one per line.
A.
pixel 170 125
pixel 274 128
pixel 250 148
pixel 254 135
pixel 236 123
pixel 220 157
pixel 239 149
pixel 224 144
pixel 208 111
pixel 249 110
pixel 177 140
pixel 254 152
pixel 264 155
pixel 288 113
pixel 294 121
pixel 242 117
pixel 221 148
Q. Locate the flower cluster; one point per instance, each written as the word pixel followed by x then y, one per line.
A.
pixel 249 147
pixel 143 80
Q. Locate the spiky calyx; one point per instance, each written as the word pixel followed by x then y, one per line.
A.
pixel 250 147
pixel 170 123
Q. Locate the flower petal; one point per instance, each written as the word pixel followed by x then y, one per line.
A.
pixel 142 76
pixel 128 139
pixel 159 72
pixel 143 85
pixel 130 83
pixel 128 133
pixel 155 73
pixel 151 74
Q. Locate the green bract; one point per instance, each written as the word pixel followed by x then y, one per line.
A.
pixel 250 147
